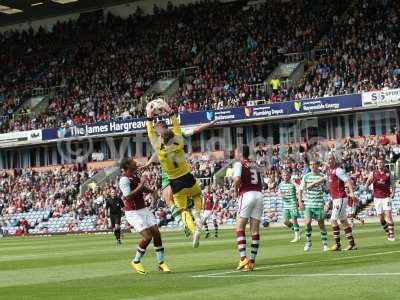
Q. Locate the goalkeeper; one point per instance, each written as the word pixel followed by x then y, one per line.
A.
pixel 165 184
pixel 169 147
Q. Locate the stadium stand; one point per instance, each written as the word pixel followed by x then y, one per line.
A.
pixel 51 203
pixel 100 67
pixel 97 84
pixel 242 55
pixel 362 54
pixel 112 63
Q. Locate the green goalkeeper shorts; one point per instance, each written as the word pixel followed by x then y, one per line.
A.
pixel 290 214
pixel 316 214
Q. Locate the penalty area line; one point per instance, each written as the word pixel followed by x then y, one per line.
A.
pixel 299 263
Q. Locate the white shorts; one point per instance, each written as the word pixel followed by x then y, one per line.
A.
pixel 382 204
pixel 207 214
pixel 351 210
pixel 140 219
pixel 251 205
pixel 339 209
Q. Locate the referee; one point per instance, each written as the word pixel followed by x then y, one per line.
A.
pixel 114 207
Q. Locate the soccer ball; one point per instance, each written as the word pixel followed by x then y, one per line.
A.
pixel 156 105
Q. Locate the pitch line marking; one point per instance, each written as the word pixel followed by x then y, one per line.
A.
pixel 299 263
pixel 305 275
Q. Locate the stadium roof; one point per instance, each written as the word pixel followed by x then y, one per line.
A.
pixel 19 11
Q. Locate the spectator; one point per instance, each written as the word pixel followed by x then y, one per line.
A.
pixel 384 141
pixel 24 225
pixel 103 71
pixel 275 84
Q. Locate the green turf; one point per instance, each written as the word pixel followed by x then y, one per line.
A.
pixel 91 267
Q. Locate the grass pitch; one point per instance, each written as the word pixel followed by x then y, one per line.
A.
pixel 92 267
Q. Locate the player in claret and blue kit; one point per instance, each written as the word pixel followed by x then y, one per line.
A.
pixel 139 216
pixel 337 180
pixel 247 181
pixel 384 187
pixel 210 205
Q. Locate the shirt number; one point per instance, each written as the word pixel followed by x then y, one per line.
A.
pixel 254 176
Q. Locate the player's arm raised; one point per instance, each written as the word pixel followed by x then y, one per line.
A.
pixel 150 129
pixel 204 127
pixel 152 159
pixel 199 129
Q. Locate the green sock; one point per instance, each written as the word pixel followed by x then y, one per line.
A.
pixel 296 227
pixel 308 233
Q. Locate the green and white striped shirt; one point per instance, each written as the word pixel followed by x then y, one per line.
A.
pixel 314 197
pixel 287 192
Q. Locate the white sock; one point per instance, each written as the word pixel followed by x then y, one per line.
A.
pixel 197 218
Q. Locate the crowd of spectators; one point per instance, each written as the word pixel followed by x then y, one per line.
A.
pixel 358 158
pixel 362 54
pixel 57 191
pixel 244 53
pixel 105 63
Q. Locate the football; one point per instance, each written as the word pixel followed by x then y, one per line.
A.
pixel 156 105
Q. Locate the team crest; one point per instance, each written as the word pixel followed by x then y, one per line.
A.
pixel 248 111
pixel 61 133
pixel 297 105
pixel 210 115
